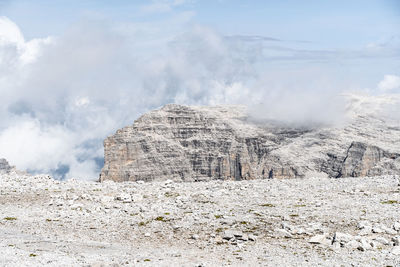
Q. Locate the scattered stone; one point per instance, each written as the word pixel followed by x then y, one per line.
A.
pixel 382 240
pixel 252 237
pixel 320 239
pixel 353 244
pixel 228 235
pixel 342 237
pixel 283 233
pixel 396 251
pixel 396 226
pixel 396 241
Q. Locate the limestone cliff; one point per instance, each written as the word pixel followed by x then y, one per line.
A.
pixel 191 143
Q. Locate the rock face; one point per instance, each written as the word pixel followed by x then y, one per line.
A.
pixel 204 143
pixel 5 167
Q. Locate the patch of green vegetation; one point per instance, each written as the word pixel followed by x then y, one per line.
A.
pixel 294 215
pixel 218 216
pixel 32 255
pixel 167 213
pixel 171 194
pixel 133 214
pixel 142 223
pixel 11 245
pixel 299 205
pixel 48 220
pixel 219 230
pixel 267 205
pixel 389 202
pixel 244 222
pixel 10 218
pixel 160 218
pixel 147 260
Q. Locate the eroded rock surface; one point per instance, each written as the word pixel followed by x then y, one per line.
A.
pixel 5 167
pixel 191 143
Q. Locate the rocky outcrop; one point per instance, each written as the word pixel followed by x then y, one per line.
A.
pixel 204 143
pixel 5 167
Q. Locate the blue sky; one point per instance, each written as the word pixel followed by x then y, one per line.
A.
pixel 334 24
pixel 72 72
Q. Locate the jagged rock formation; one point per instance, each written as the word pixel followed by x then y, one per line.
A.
pixel 203 143
pixel 5 167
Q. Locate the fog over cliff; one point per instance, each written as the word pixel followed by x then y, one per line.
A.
pixel 62 95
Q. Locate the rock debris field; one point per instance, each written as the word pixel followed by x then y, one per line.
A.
pixel 293 222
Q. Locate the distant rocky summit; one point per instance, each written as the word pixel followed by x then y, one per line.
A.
pixel 5 167
pixel 194 143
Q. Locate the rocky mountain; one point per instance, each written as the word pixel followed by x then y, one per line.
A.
pixel 5 167
pixel 197 143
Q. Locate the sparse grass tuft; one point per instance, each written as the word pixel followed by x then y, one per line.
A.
pixel 389 202
pixel 10 218
pixel 267 205
pixel 32 255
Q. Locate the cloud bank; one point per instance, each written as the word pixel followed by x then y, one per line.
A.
pixel 62 95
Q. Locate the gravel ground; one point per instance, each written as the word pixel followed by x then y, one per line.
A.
pixel 296 222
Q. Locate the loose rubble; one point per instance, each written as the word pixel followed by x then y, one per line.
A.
pixel 295 222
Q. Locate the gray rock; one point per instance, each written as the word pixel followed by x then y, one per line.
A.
pixel 228 235
pixel 194 143
pixel 353 244
pixel 382 240
pixel 320 239
pixel 396 241
pixel 364 224
pixel 396 226
pixel 396 250
pixel 342 237
pixel 5 167
pixel 282 233
pixel 364 245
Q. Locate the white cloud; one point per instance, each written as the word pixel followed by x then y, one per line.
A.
pixel 389 83
pixel 57 107
pixel 11 36
pixel 162 6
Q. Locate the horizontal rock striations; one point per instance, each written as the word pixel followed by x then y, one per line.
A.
pixel 191 143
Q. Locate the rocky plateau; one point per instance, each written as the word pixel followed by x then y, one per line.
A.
pixel 270 222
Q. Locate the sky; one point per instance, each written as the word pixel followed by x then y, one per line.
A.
pixel 73 72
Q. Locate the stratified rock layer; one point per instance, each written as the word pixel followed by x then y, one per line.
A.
pixel 204 143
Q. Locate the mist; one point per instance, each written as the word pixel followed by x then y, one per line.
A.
pixel 62 95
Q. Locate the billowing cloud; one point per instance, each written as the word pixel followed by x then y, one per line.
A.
pixel 61 96
pixel 389 83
